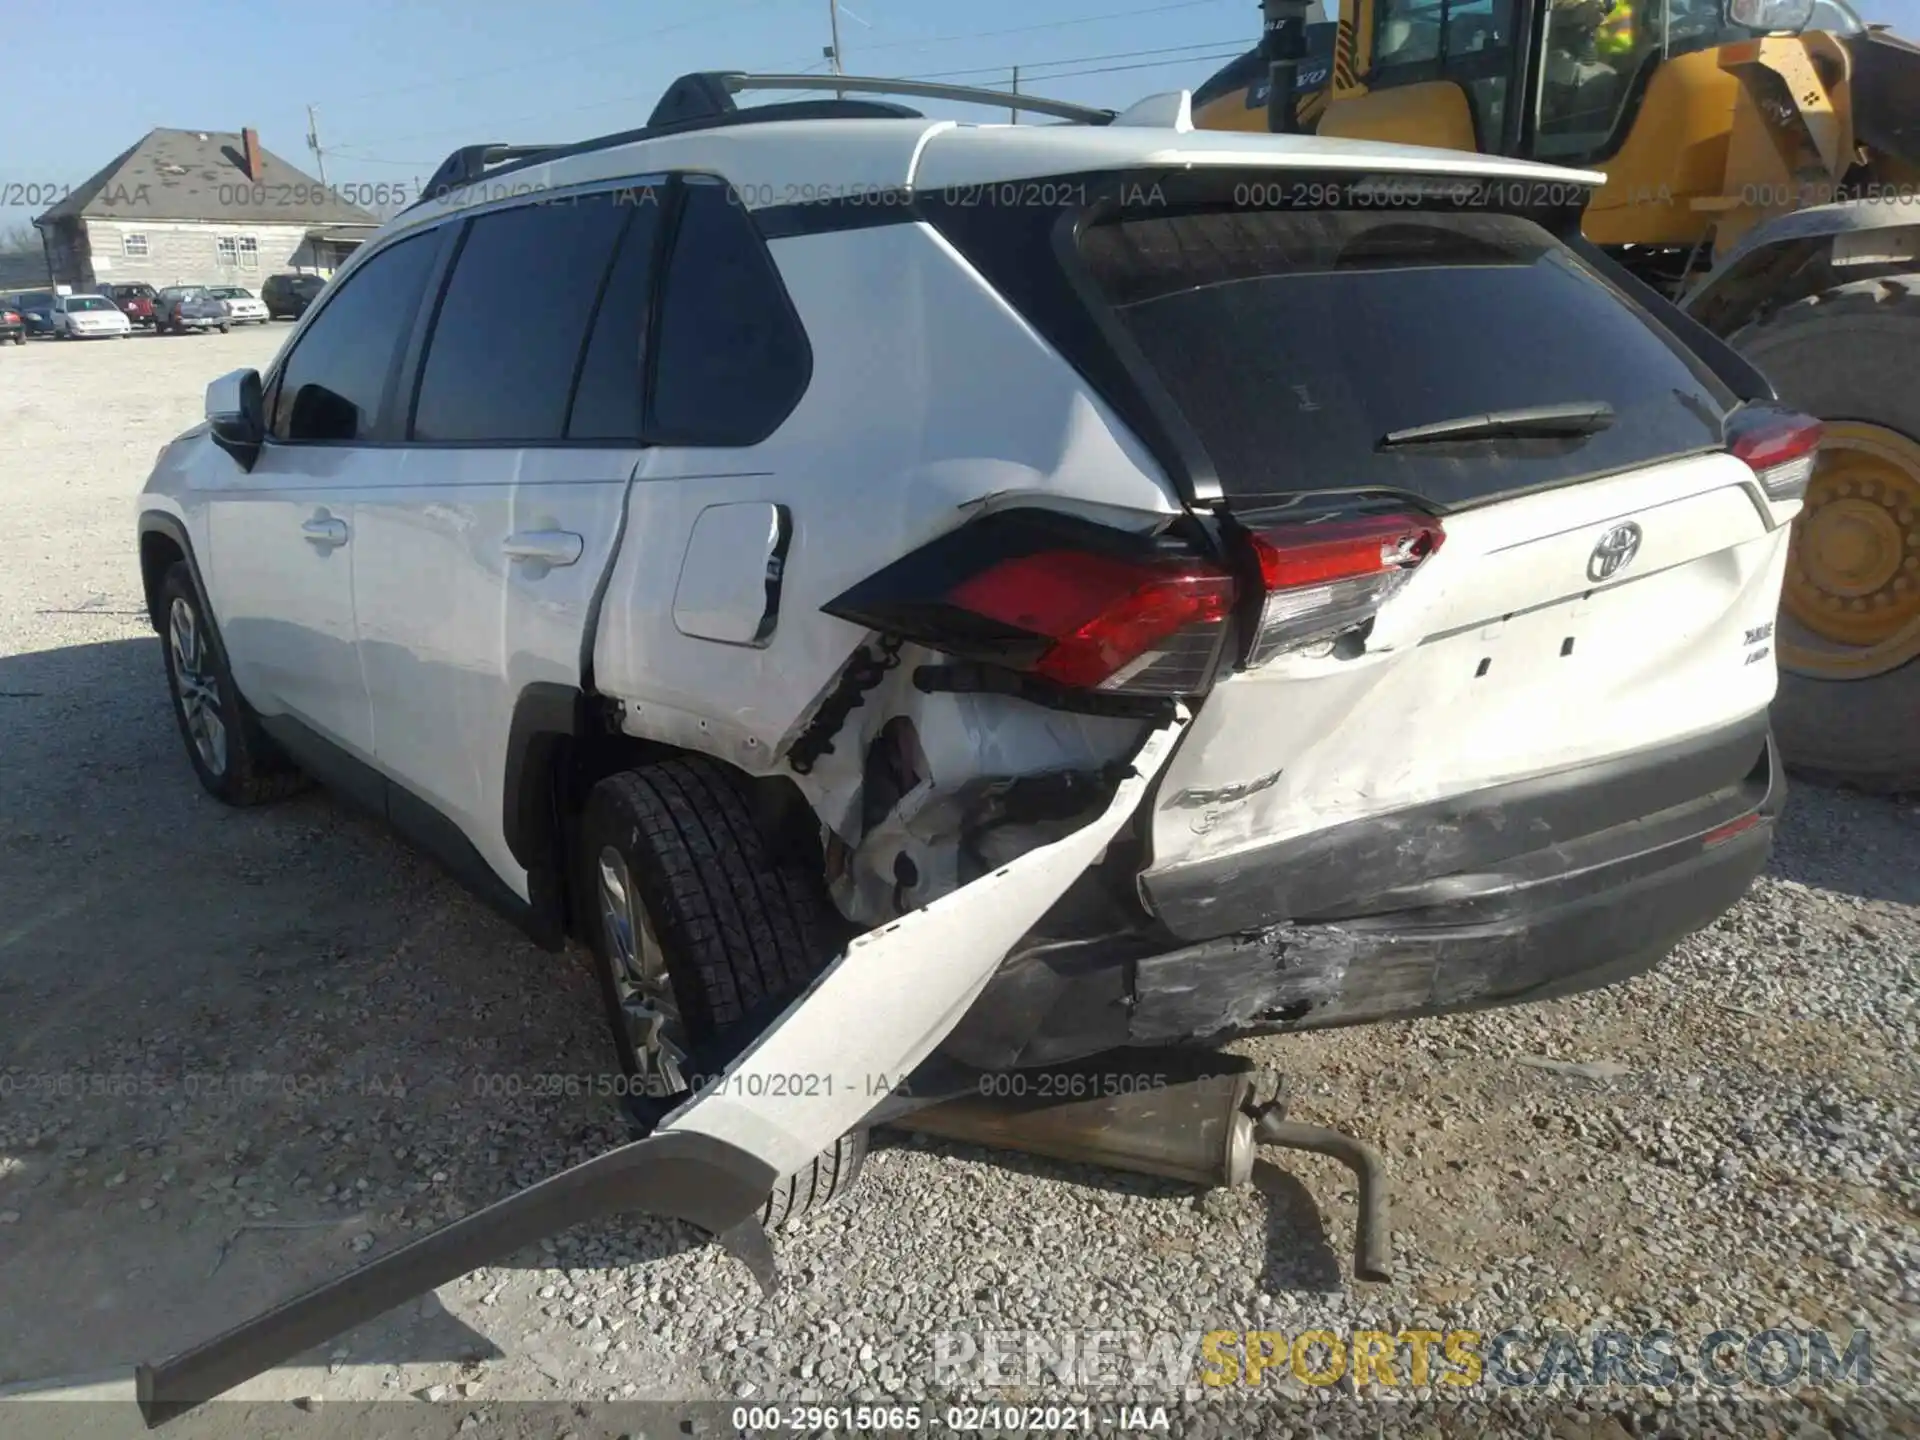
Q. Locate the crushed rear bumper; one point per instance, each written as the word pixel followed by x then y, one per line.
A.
pixel 1518 893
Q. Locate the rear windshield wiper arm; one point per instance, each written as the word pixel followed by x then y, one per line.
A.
pixel 1580 417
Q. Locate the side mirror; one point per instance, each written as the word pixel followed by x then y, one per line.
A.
pixel 1791 15
pixel 236 415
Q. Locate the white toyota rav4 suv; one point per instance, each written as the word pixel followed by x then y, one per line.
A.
pixel 922 599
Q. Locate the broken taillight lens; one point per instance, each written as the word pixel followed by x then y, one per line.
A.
pixel 1324 579
pixel 1067 601
pixel 1779 446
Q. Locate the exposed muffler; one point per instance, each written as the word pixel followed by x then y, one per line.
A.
pixel 1190 1115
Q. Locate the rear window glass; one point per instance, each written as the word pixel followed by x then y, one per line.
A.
pixel 1294 342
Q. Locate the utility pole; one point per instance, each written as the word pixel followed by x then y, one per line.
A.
pixel 833 20
pixel 1013 111
pixel 313 144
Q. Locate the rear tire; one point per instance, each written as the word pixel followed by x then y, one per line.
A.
pixel 1850 354
pixel 697 930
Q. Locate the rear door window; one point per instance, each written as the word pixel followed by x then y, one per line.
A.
pixel 513 323
pixel 1294 342
pixel 732 359
pixel 609 401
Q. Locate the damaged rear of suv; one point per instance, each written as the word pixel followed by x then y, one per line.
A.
pixel 920 600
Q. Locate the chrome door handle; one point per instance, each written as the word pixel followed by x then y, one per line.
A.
pixel 325 532
pixel 547 547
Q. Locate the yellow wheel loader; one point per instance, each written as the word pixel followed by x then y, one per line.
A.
pixel 1763 169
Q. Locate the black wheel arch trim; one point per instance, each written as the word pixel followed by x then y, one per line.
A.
pixel 159 522
pixel 546 715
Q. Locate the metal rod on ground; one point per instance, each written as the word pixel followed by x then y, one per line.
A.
pixel 1372 1249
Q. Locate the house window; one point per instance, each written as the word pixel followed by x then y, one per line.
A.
pixel 226 250
pixel 134 247
pixel 249 253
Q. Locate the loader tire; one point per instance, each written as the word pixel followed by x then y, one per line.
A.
pixel 1850 355
pixel 672 862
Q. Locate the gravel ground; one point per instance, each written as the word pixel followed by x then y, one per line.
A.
pixel 243 1050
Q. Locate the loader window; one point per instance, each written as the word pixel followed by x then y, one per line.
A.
pixel 1469 42
pixel 1596 59
pixel 1293 342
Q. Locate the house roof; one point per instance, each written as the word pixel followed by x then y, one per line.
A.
pixel 201 175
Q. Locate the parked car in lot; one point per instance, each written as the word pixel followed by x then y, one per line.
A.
pixel 288 296
pixel 243 306
pixel 181 308
pixel 135 300
pixel 1218 646
pixel 36 310
pixel 89 317
pixel 12 327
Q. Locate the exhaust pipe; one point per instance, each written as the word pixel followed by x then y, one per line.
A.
pixel 1176 1113
pixel 1184 1114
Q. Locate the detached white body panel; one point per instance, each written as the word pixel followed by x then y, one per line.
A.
pixel 882 1007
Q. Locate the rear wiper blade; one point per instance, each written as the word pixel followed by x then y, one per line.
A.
pixel 1580 417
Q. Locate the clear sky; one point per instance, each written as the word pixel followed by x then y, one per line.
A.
pixel 399 83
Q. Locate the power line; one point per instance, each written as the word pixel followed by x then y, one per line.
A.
pixel 512 120
pixel 994 69
pixel 550 59
pixel 1044 25
pixel 1177 54
pixel 1033 65
pixel 1148 65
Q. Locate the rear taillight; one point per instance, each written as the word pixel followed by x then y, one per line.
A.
pixel 1324 579
pixel 1064 600
pixel 1112 624
pixel 1779 447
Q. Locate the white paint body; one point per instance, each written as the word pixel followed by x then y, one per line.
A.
pixel 404 628
pixel 82 321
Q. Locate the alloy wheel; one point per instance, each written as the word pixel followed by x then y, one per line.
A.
pixel 196 689
pixel 648 1011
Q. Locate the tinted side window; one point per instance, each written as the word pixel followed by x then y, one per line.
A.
pixel 607 403
pixel 732 360
pixel 513 322
pixel 332 383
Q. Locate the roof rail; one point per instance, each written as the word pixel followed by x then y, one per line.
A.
pixel 470 162
pixel 704 100
pixel 718 86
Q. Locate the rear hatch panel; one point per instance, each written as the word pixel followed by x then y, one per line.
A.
pixel 1596 594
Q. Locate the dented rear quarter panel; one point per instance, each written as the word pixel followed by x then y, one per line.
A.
pixel 929 400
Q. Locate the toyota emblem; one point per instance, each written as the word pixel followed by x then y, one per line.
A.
pixel 1614 552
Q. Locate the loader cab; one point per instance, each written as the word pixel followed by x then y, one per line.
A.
pixel 1562 81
